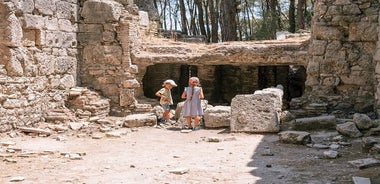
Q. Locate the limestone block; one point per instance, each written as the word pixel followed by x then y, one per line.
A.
pixel 257 113
pixel 101 11
pixel 66 25
pixel 351 9
pixel 13 32
pixel 319 47
pixel 65 10
pixel 24 6
pixel 45 7
pixel 69 41
pixel 218 116
pixel 127 97
pixel 131 83
pixel 139 120
pixel 14 66
pixel 65 64
pixel 51 24
pixel 295 137
pixel 33 22
pixel 349 129
pixel 144 18
pixel 327 33
pixel 102 55
pixel 46 65
pixel 363 31
pixel 67 81
pixel 315 123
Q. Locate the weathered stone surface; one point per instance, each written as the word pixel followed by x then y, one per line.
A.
pixel 315 123
pixel 365 163
pixel 259 112
pixel 295 137
pixel 101 11
pixel 138 120
pixel 218 116
pixel 349 129
pixel 362 121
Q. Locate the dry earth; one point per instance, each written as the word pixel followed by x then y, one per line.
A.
pixel 165 155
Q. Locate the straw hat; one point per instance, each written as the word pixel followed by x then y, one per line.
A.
pixel 171 82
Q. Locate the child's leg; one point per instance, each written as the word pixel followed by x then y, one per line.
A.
pixel 188 121
pixel 166 115
pixel 196 121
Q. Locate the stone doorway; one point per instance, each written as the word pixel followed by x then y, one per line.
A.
pixel 223 82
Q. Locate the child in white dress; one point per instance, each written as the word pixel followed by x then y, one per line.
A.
pixel 192 107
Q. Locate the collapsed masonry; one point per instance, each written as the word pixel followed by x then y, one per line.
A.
pixel 48 48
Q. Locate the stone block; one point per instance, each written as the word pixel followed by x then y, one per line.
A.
pixel 256 113
pixel 363 31
pixel 139 120
pixel 218 116
pixel 144 18
pixel 315 123
pixel 97 11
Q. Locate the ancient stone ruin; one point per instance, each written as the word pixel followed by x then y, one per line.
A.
pixel 69 60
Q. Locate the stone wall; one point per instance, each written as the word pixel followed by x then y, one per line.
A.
pixel 38 63
pixel 341 74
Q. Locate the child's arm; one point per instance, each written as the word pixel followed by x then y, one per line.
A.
pixel 160 94
pixel 201 95
pixel 184 94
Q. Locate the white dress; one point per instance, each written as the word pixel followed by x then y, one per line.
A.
pixel 192 106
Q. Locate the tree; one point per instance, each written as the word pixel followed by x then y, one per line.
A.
pixel 292 17
pixel 228 15
pixel 300 14
pixel 183 17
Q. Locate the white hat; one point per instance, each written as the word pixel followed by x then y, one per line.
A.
pixel 171 82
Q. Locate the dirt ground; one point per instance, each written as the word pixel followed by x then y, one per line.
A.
pixel 165 155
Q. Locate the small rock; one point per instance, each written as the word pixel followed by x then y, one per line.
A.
pixel 17 179
pixel 331 154
pixel 179 171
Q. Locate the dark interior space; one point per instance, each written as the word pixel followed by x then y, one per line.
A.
pixel 223 82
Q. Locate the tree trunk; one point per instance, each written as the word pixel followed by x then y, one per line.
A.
pixel 200 17
pixel 228 20
pixel 214 20
pixel 300 14
pixel 183 17
pixel 292 17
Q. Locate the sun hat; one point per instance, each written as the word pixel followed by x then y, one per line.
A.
pixel 171 82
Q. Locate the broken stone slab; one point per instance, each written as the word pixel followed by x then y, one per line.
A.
pixel 34 130
pixel 315 123
pixel 361 180
pixel 349 129
pixel 365 163
pixel 218 116
pixel 139 120
pixel 295 137
pixel 214 139
pixel 257 113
